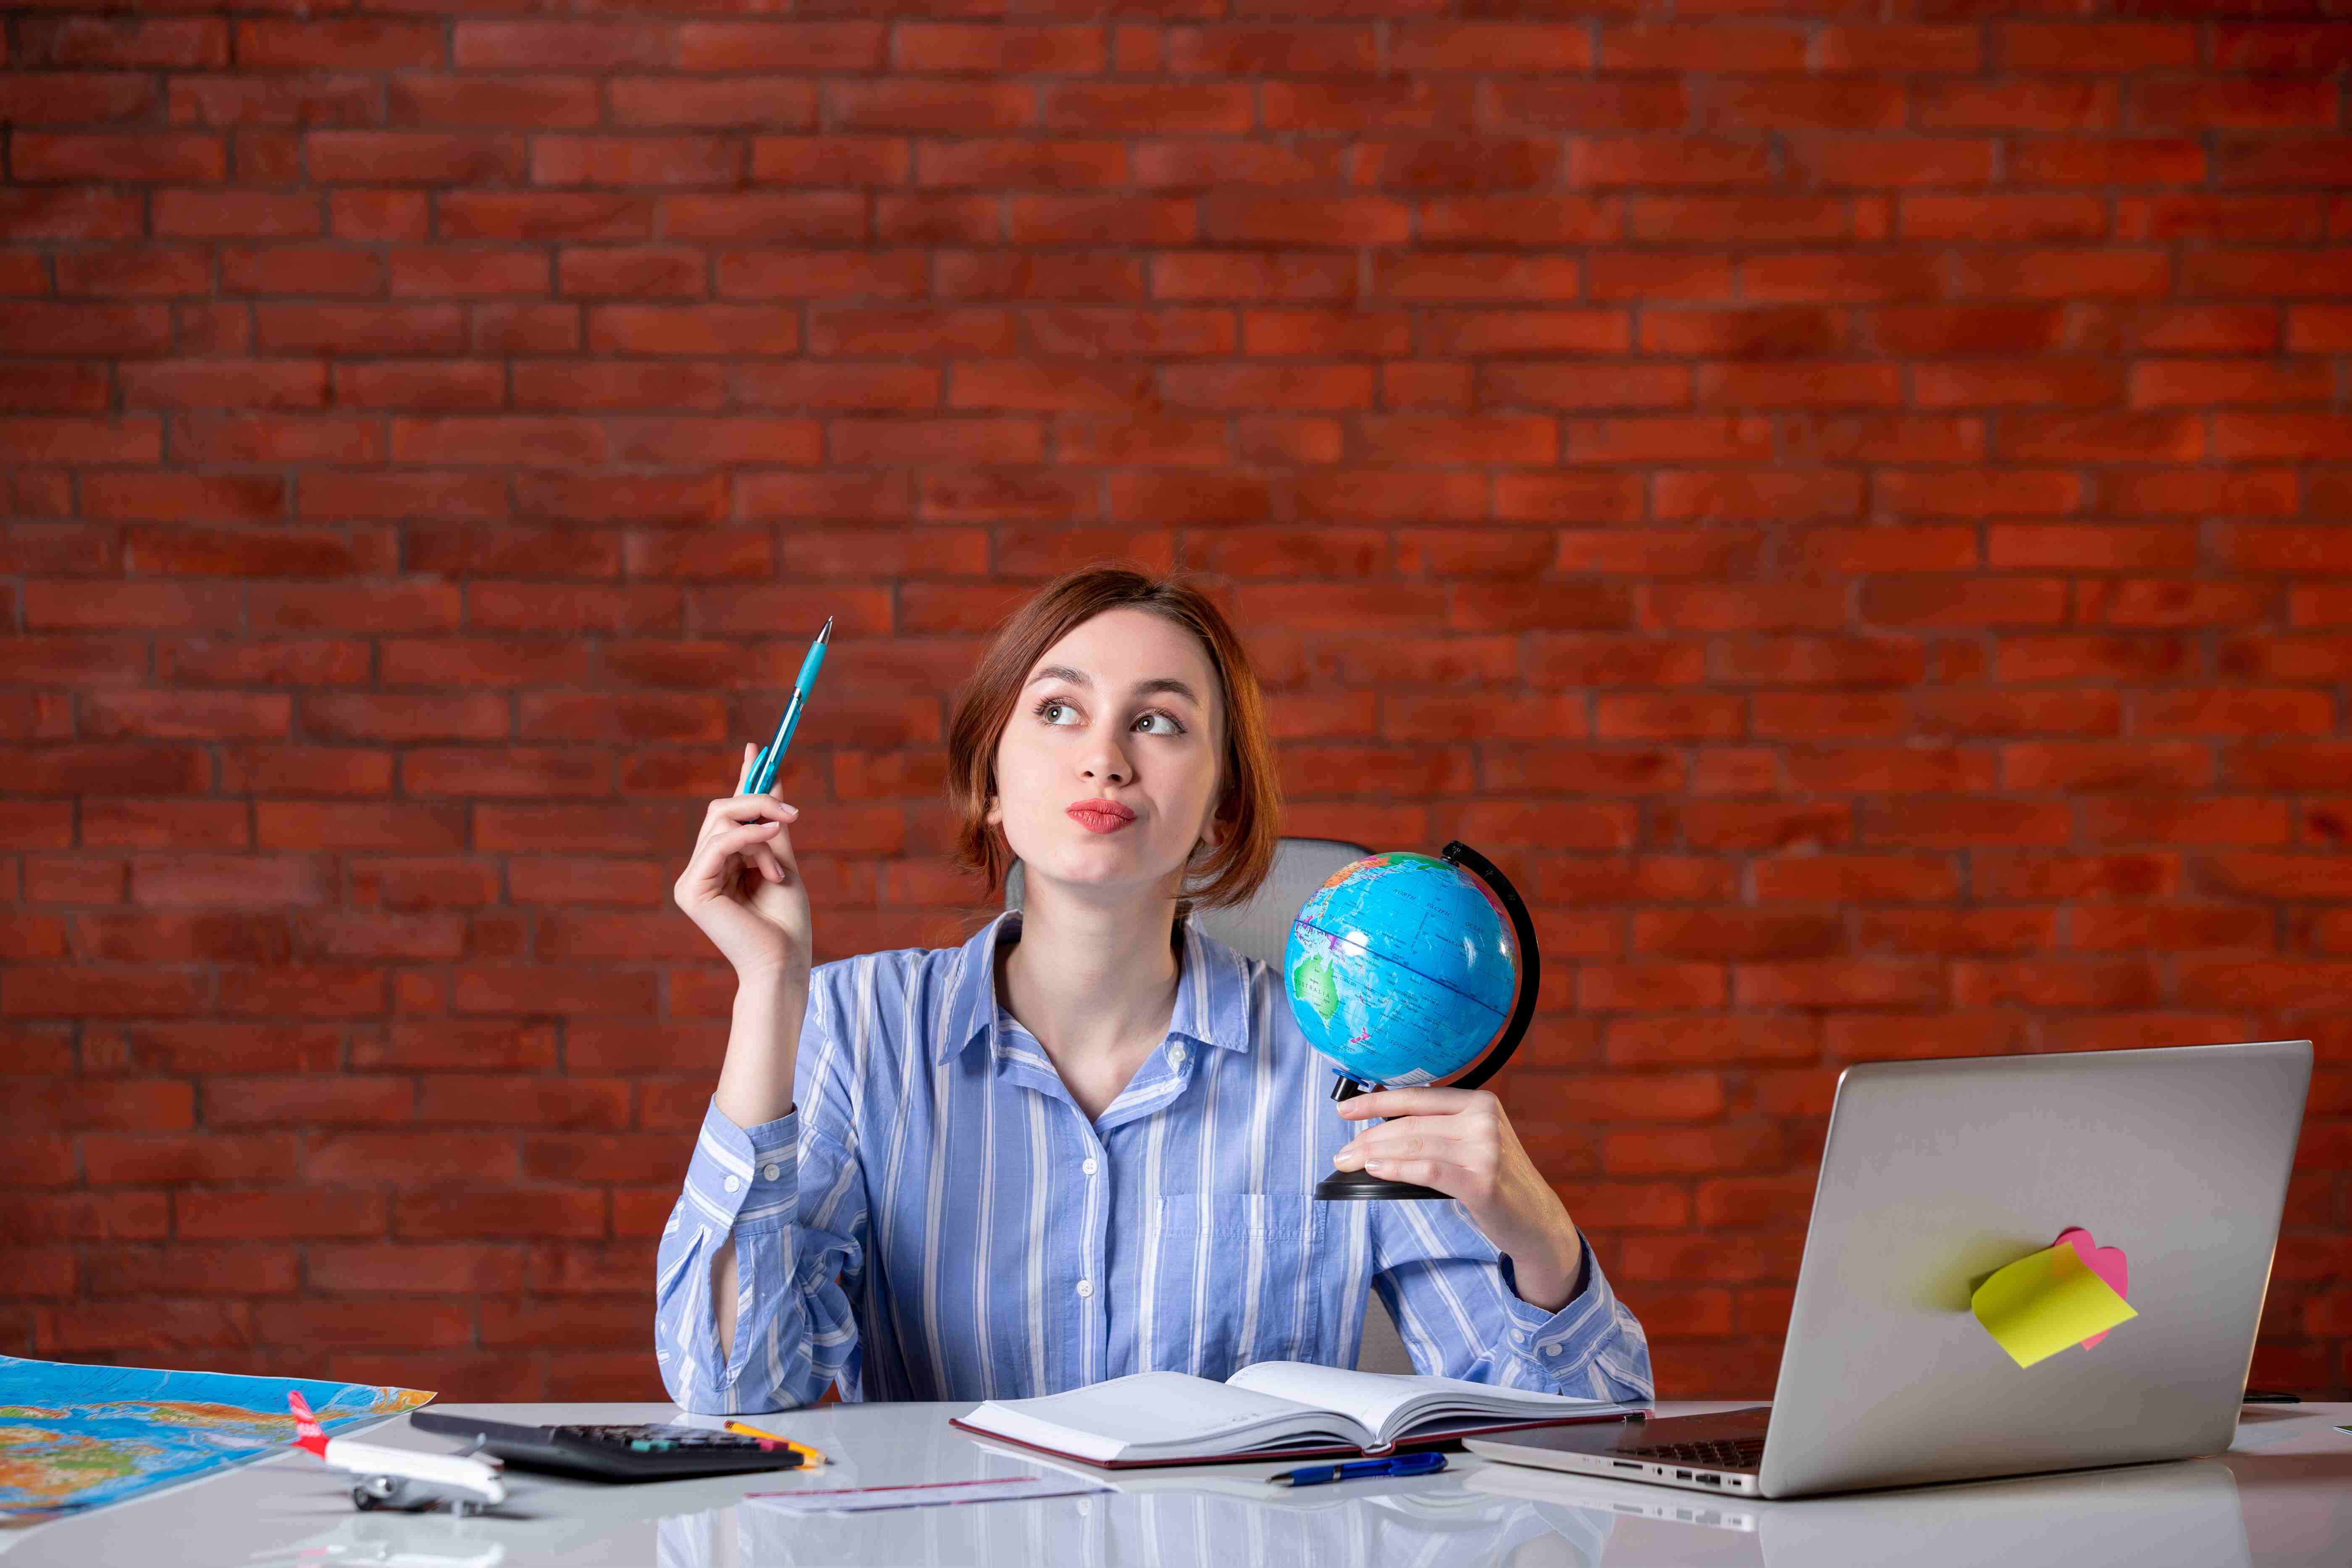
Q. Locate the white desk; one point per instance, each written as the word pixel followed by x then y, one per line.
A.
pixel 2282 1495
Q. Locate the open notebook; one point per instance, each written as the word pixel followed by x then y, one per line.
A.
pixel 1268 1410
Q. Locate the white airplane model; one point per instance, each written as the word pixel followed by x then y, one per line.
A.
pixel 400 1478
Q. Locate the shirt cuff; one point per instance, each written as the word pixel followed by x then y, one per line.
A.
pixel 745 1178
pixel 1557 1344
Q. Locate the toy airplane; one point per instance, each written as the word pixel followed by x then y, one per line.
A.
pixel 401 1477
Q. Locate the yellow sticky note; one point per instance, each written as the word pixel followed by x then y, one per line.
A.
pixel 2045 1302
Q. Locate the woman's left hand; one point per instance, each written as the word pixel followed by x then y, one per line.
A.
pixel 1459 1142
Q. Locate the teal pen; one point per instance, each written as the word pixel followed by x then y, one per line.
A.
pixel 762 776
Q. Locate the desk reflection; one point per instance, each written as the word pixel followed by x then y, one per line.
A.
pixel 1217 1517
pixel 396 1540
pixel 2182 1512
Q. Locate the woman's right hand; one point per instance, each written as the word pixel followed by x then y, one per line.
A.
pixel 743 886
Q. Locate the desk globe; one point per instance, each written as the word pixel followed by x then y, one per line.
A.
pixel 1406 970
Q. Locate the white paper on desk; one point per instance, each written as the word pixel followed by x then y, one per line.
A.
pixel 865 1500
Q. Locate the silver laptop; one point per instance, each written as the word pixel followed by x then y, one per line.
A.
pixel 1938 1173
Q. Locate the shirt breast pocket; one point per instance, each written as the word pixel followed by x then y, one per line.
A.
pixel 1236 1278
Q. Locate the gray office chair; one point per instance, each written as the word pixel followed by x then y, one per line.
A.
pixel 1260 929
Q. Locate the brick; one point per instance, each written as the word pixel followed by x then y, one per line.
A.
pixel 1699 46
pixel 1841 982
pixel 1660 1151
pixel 1452 164
pixel 1158 109
pixel 397 1270
pixel 2168 602
pixel 579 45
pixel 581 384
pixel 172 42
pixel 1796 103
pixel 2238 710
pixel 848 46
pixel 636 160
pixel 76 97
pixel 1480 48
pixel 946 107
pixel 2280 160
pixel 2271 46
pixel 2239 820
pixel 2051 274
pixel 2109 161
pixel 2143 765
pixel 69 213
pixel 182 156
pixel 1855 879
pixel 1048 50
pixel 1584 385
pixel 1896 46
pixel 2043 437
pixel 2273 103
pixel 549 214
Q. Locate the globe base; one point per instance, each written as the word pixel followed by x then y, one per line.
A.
pixel 1348 1187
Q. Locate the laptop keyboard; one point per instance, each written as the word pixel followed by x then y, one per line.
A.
pixel 1734 1454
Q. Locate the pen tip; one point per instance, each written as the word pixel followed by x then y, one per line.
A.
pixel 826 634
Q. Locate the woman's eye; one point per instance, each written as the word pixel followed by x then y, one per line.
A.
pixel 1052 706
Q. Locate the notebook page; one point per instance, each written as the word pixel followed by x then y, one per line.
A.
pixel 1161 1412
pixel 1387 1401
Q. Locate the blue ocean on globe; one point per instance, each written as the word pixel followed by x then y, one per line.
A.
pixel 1402 968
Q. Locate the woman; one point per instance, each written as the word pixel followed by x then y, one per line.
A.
pixel 1084 1142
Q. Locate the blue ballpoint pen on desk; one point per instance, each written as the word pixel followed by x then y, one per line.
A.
pixel 762 776
pixel 1402 1465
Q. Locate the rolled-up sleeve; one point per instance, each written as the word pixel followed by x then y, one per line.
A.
pixel 1458 1311
pixel 787 1192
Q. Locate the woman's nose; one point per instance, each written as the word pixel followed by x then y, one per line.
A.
pixel 1107 763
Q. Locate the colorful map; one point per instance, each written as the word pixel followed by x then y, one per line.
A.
pixel 75 1437
pixel 1402 968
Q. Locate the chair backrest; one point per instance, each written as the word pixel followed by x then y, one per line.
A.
pixel 1260 929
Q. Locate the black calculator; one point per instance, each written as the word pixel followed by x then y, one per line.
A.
pixel 614 1453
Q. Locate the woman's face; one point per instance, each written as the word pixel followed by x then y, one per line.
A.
pixel 1125 710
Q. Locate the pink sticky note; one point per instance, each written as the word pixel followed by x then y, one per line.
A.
pixel 2108 1262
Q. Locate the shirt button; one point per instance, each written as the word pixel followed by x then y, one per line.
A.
pixel 1086 1286
pixel 771 1170
pixel 733 1184
pixel 1551 1350
pixel 1176 1056
pixel 1089 1167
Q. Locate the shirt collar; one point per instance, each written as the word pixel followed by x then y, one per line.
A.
pixel 1212 989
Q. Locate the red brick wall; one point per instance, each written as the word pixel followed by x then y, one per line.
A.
pixel 1848 512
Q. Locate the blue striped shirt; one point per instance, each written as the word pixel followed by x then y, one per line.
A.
pixel 937 1220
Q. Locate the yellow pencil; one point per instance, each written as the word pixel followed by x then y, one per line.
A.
pixel 809 1457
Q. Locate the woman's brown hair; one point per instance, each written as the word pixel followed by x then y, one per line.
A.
pixel 1250 806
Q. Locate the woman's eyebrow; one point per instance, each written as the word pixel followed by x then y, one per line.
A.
pixel 1168 683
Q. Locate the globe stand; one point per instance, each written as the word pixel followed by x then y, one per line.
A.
pixel 1348 1186
pixel 1345 1187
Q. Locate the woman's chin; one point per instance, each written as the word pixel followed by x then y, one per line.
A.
pixel 1097 869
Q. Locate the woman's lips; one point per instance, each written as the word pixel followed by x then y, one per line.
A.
pixel 1098 820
